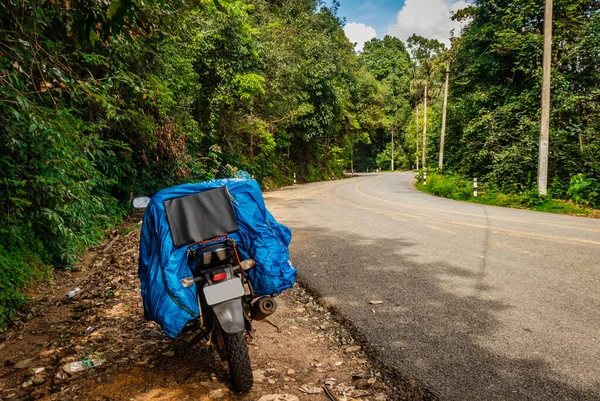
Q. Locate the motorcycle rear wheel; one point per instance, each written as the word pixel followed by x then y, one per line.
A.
pixel 238 360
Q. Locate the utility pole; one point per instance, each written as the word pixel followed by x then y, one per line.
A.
pixel 425 126
pixel 392 128
pixel 441 162
pixel 417 137
pixel 545 122
pixel 352 158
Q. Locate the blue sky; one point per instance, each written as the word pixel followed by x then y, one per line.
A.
pixel 366 19
pixel 378 14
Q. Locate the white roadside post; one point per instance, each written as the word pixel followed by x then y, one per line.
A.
pixel 294 178
pixel 425 178
pixel 475 187
pixel 332 176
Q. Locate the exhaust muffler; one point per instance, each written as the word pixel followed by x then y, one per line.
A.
pixel 263 308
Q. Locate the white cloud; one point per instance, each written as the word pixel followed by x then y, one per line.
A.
pixel 427 18
pixel 359 34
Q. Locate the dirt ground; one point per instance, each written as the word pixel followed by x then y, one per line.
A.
pixel 301 353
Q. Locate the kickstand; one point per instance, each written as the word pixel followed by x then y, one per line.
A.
pixel 272 324
pixel 198 337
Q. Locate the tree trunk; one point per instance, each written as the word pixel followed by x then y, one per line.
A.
pixel 444 112
pixel 425 128
pixel 545 121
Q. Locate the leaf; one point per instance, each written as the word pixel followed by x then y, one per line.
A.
pixel 113 8
pixel 92 35
pixel 220 6
pixel 16 114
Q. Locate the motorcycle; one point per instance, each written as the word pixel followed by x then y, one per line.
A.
pixel 226 300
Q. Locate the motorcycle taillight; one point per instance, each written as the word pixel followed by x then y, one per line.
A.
pixel 219 277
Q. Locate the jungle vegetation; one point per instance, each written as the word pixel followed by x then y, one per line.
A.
pixel 101 101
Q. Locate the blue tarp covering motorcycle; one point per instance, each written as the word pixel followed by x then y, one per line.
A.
pixel 212 250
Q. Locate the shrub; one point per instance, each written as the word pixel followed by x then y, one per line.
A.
pixel 449 185
pixel 19 267
pixel 532 198
pixel 584 190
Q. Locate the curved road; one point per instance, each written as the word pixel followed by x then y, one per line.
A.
pixel 480 302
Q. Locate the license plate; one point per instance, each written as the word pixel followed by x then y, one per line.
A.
pixel 221 292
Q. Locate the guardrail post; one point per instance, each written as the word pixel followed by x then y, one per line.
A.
pixel 475 187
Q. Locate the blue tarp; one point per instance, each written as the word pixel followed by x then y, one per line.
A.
pixel 162 266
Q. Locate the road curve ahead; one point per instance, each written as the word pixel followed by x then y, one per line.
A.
pixel 479 302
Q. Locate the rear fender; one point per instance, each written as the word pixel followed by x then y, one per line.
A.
pixel 230 315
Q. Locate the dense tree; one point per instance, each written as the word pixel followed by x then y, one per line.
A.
pixel 93 103
pixel 389 62
pixel 494 118
pixel 101 101
pixel 385 57
pixel 426 81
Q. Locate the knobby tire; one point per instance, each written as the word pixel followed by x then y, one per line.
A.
pixel 238 361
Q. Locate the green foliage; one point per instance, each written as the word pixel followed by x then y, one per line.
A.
pixel 454 186
pixel 584 190
pixel 448 185
pixel 388 103
pixel 494 107
pixel 19 267
pixel 494 110
pixel 401 161
pixel 424 50
pixel 102 101
pixel 386 57
pixel 531 198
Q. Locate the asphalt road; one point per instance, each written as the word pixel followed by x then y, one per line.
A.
pixel 480 302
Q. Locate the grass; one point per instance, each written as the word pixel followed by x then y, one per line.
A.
pixel 129 228
pixel 455 187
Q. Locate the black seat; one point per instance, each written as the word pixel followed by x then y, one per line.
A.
pixel 201 216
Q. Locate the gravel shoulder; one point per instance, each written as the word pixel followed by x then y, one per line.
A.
pixel 302 349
